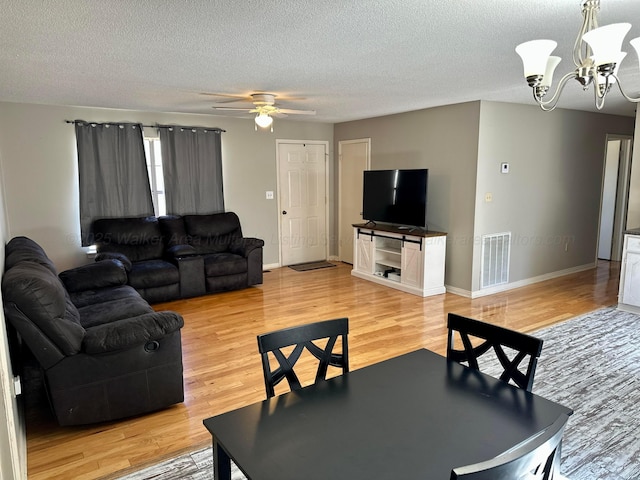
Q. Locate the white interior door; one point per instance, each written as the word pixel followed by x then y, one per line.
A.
pixel 354 158
pixel 302 194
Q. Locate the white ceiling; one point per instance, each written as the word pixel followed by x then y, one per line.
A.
pixel 347 59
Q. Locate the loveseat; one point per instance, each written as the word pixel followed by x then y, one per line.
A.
pixel 229 260
pixel 175 256
pixel 104 352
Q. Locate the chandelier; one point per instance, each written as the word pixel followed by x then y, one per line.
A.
pixel 597 55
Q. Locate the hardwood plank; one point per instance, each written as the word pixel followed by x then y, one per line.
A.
pixel 222 369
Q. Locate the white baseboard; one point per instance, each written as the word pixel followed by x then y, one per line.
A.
pixel 270 266
pixel 520 283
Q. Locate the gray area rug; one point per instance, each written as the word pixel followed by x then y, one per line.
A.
pixel 590 363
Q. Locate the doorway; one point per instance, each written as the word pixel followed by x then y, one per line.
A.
pixel 615 197
pixel 354 158
pixel 302 200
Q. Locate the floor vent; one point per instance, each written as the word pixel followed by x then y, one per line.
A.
pixel 496 250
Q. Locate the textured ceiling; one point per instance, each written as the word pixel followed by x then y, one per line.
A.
pixel 346 59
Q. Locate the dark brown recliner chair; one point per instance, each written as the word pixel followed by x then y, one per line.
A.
pixel 104 352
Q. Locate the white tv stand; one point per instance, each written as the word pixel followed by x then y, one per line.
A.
pixel 411 260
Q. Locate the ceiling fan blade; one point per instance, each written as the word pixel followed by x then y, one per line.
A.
pixel 233 109
pixel 296 112
pixel 226 95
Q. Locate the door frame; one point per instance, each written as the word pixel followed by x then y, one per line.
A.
pixel 366 140
pixel 280 141
pixel 622 193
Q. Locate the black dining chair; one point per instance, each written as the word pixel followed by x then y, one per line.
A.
pixel 520 369
pixel 538 457
pixel 302 337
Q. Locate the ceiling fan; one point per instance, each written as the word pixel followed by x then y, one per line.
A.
pixel 264 105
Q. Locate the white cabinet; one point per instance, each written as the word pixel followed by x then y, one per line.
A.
pixel 363 249
pixel 629 293
pixel 407 261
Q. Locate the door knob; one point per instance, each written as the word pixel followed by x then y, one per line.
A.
pixel 284 212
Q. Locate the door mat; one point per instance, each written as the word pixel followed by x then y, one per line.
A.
pixel 303 267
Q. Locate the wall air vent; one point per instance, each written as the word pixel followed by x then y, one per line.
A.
pixel 496 250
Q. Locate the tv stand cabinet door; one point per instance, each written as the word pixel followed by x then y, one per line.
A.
pixel 412 265
pixel 364 253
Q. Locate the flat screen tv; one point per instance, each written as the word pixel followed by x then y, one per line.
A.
pixel 398 197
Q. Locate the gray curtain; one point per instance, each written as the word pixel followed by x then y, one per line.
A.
pixel 192 167
pixel 113 173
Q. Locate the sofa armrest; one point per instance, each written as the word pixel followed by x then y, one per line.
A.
pixel 180 251
pixel 107 273
pixel 128 332
pixel 244 246
pixel 121 257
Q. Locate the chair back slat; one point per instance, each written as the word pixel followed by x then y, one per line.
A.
pixel 303 337
pixel 519 370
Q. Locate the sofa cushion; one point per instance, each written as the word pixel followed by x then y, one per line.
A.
pixel 23 249
pixel 87 297
pixel 138 238
pixel 220 264
pixel 112 310
pixel 39 294
pixel 106 273
pixel 153 273
pixel 212 233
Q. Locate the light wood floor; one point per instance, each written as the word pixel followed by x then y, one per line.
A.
pixel 222 368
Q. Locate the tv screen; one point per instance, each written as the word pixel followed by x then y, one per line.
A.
pixel 398 197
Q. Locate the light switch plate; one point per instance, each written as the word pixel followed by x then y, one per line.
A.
pixel 504 168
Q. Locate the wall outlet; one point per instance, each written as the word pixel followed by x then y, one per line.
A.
pixel 269 195
pixel 488 197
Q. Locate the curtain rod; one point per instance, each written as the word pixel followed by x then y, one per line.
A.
pixel 217 129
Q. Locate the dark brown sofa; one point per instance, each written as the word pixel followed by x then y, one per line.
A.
pixel 104 352
pixel 173 257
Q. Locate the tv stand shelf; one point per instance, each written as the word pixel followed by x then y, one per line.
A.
pixel 408 259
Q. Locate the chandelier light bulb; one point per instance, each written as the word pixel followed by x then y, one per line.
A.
pixel 535 55
pixel 606 42
pixel 635 43
pixel 597 55
pixel 263 120
pixel 552 63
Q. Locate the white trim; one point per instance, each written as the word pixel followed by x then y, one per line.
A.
pixel 270 266
pixel 532 280
pixel 520 283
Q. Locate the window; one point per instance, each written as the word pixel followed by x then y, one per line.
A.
pixel 156 178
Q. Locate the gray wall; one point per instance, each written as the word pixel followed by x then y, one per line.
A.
pixel 40 168
pixel 444 140
pixel 550 200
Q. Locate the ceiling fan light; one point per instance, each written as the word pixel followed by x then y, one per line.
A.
pixel 606 42
pixel 263 120
pixel 535 56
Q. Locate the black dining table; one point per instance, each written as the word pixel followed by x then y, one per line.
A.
pixel 415 416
